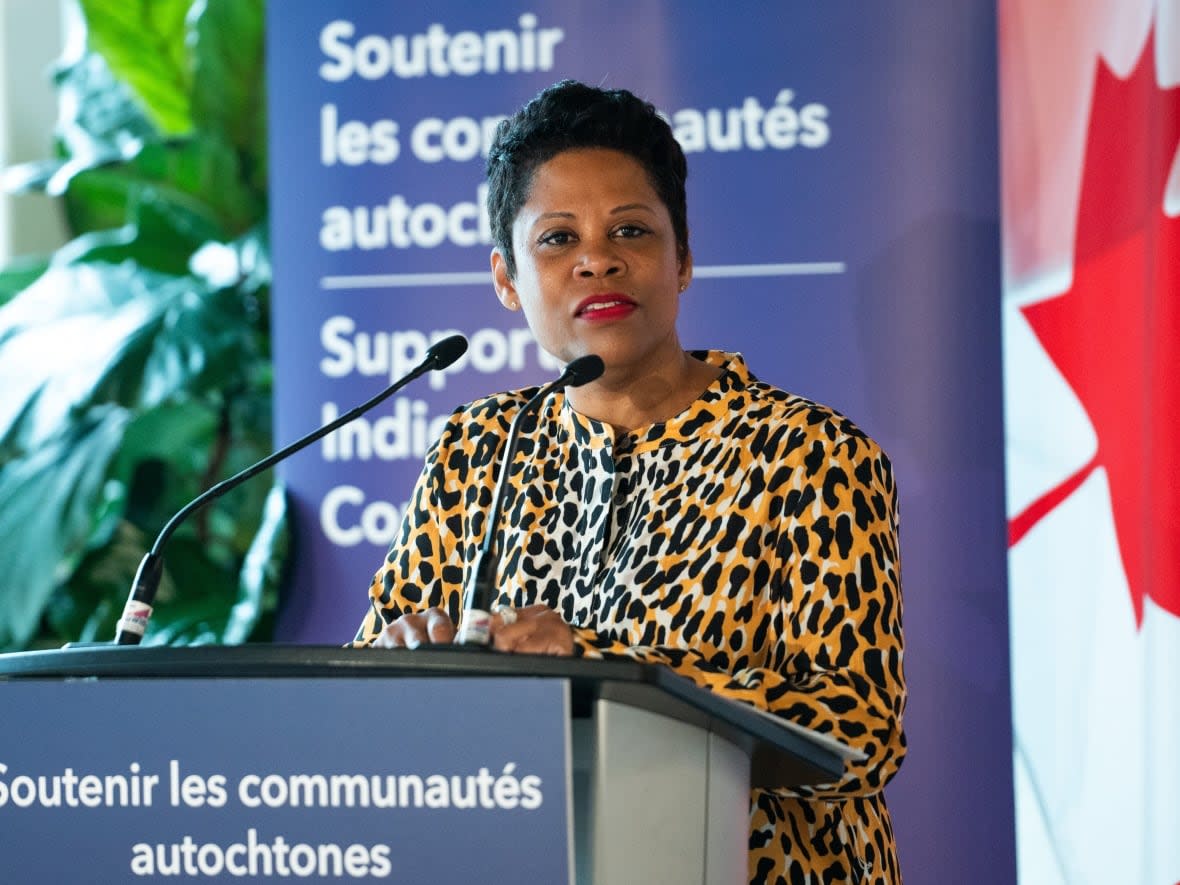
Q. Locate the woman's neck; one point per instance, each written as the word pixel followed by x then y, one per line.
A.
pixel 633 401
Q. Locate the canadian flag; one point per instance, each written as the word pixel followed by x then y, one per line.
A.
pixel 1090 132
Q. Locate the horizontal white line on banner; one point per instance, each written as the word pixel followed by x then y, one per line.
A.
pixel 400 280
pixel 479 278
pixel 800 268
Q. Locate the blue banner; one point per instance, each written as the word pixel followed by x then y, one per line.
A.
pixel 224 780
pixel 843 215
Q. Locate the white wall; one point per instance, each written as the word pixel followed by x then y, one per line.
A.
pixel 30 41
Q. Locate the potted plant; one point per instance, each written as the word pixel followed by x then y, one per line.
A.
pixel 134 362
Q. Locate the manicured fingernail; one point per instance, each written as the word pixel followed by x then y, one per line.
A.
pixel 412 643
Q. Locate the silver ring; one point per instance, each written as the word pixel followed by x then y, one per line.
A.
pixel 507 614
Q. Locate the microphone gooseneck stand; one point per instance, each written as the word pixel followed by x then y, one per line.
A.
pixel 475 624
pixel 138 609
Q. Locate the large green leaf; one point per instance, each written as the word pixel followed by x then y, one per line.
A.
pixel 144 42
pixel 176 433
pixel 167 255
pixel 204 601
pixel 99 119
pixel 19 274
pixel 229 95
pixel 88 605
pixel 165 461
pixel 60 340
pixel 174 452
pixel 204 344
pixel 212 604
pixel 82 335
pixel 220 580
pixel 189 190
pixel 31 177
pixel 49 502
pixel 262 573
pixel 86 334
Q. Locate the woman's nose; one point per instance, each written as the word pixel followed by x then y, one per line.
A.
pixel 599 260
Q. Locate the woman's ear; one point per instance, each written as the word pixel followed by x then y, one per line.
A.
pixel 685 269
pixel 505 290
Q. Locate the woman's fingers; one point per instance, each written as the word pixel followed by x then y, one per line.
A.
pixel 534 629
pixel 416 628
pixel 439 627
pixel 537 629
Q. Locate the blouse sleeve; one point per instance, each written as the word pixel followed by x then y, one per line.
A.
pixel 839 666
pixel 415 574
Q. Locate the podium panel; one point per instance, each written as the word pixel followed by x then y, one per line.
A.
pixel 487 767
pixel 657 785
pixel 411 780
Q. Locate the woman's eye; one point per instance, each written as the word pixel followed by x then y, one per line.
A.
pixel 555 238
pixel 630 231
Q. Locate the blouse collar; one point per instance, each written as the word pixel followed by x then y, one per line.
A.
pixel 711 408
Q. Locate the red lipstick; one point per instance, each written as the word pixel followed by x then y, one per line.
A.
pixel 606 306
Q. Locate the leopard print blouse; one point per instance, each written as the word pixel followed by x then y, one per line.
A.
pixel 749 543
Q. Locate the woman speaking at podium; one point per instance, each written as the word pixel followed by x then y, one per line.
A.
pixel 676 510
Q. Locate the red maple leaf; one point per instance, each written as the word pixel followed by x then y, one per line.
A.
pixel 1115 334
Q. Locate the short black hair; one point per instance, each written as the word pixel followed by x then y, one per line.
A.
pixel 569 115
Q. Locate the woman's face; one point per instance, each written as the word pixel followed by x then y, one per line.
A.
pixel 597 269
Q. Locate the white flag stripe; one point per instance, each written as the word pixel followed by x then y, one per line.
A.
pixel 1078 695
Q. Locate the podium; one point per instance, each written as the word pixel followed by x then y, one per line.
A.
pixel 658 769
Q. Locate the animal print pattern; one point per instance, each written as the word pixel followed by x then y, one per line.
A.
pixel 749 543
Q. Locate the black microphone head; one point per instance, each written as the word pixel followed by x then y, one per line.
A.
pixel 583 370
pixel 446 352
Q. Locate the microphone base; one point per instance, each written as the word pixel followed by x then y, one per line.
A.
pixel 475 629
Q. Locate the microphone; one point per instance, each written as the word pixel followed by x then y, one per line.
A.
pixel 475 624
pixel 138 610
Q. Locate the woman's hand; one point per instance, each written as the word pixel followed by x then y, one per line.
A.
pixel 536 629
pixel 415 628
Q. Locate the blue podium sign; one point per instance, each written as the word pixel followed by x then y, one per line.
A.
pixel 406 780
